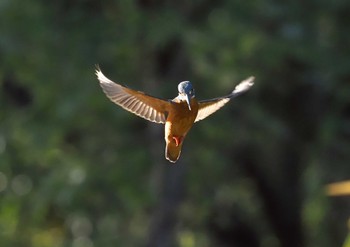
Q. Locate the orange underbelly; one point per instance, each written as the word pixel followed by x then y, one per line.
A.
pixel 181 119
pixel 180 127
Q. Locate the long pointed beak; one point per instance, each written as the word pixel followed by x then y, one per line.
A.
pixel 188 100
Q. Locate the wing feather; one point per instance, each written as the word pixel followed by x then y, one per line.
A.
pixel 139 103
pixel 208 107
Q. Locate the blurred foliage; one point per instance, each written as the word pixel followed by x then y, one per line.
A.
pixel 75 170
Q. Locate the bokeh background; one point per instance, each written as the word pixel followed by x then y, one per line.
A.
pixel 76 170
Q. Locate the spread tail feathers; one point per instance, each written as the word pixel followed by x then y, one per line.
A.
pixel 172 151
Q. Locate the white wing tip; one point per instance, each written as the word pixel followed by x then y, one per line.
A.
pixel 101 77
pixel 244 85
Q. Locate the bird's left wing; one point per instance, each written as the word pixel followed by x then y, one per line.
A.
pixel 208 107
pixel 139 103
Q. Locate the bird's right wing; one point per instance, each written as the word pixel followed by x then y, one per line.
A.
pixel 139 103
pixel 208 107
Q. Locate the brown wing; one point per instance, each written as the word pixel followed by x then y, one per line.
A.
pixel 208 107
pixel 139 103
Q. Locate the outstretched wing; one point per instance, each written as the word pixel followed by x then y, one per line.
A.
pixel 139 103
pixel 208 107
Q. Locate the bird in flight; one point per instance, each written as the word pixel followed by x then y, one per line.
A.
pixel 178 114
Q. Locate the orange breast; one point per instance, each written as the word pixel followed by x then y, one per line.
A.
pixel 180 118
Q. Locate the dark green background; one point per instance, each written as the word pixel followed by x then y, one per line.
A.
pixel 76 170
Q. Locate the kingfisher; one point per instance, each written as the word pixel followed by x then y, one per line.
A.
pixel 178 114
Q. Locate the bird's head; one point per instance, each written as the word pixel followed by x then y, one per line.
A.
pixel 186 92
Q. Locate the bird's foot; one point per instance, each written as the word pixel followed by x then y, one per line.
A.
pixel 178 140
